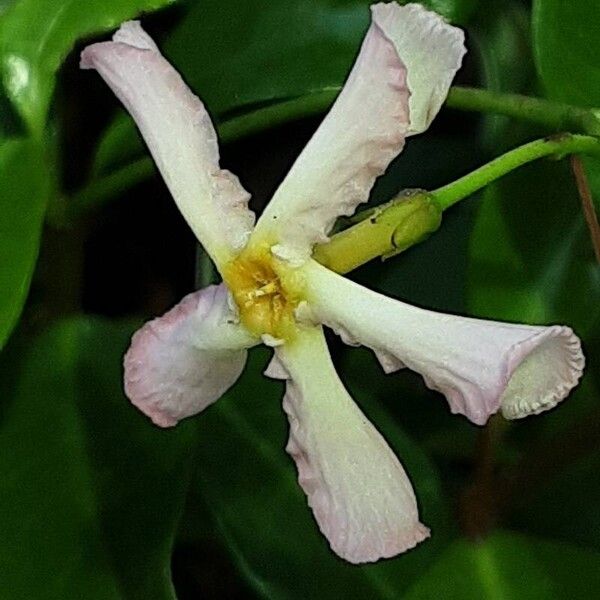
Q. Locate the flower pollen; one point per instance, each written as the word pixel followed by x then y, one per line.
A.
pixel 266 292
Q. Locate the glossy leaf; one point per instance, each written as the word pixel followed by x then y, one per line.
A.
pixel 35 37
pixel 290 48
pixel 91 492
pixel 25 188
pixel 508 566
pixel 249 483
pixel 565 34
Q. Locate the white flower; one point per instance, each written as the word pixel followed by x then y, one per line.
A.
pixel 182 362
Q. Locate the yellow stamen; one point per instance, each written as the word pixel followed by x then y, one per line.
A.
pixel 266 290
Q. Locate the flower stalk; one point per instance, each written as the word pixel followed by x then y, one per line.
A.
pixel 557 146
pixel 408 220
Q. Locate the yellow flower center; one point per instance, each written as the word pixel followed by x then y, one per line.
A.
pixel 266 291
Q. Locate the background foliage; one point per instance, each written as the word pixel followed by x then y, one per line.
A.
pixel 97 503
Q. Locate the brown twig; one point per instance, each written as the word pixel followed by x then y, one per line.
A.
pixel 479 502
pixel 587 203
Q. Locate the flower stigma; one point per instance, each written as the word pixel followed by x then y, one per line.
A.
pixel 266 290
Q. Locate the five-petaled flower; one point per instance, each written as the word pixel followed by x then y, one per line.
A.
pixel 274 291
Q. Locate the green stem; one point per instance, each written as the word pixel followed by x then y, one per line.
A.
pixel 558 145
pixel 554 115
pixel 551 114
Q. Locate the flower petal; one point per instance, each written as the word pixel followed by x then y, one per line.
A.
pixel 480 366
pixel 180 136
pixel 180 363
pixel 366 126
pixel 360 495
pixel 432 52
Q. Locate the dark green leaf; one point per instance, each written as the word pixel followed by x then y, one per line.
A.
pixel 36 35
pixel 565 34
pixel 289 48
pixel 249 483
pixel 501 37
pixel 91 491
pixel 507 566
pixel 25 189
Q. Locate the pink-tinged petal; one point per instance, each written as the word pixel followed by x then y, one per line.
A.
pixel 480 366
pixel 432 52
pixel 360 495
pixel 365 128
pixel 180 136
pixel 362 133
pixel 180 363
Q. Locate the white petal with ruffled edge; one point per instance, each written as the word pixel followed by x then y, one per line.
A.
pixel 480 366
pixel 180 136
pixel 362 133
pixel 365 128
pixel 360 495
pixel 432 52
pixel 182 362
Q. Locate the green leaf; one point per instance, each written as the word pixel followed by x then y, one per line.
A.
pixel 565 35
pixel 289 48
pixel 249 483
pixel 501 36
pixel 91 492
pixel 508 566
pixel 25 188
pixel 502 39
pixel 36 35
